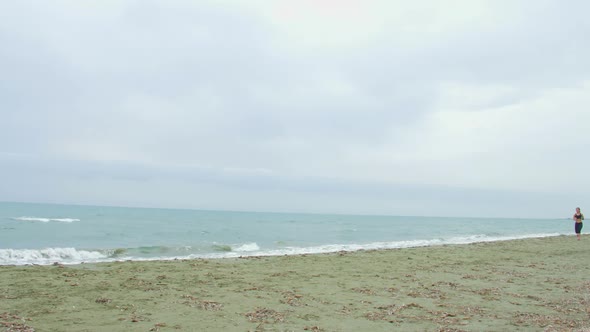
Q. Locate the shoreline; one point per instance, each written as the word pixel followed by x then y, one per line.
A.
pixel 227 252
pixel 520 285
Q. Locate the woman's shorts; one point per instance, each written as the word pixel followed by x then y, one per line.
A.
pixel 579 227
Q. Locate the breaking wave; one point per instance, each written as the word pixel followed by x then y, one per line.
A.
pixel 50 256
pixel 38 219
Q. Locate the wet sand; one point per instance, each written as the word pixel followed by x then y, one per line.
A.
pixel 521 285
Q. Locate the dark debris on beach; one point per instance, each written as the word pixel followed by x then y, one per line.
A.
pixel 15 323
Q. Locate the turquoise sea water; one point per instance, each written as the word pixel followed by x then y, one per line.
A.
pixel 71 234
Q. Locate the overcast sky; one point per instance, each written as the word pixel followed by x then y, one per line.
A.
pixel 449 108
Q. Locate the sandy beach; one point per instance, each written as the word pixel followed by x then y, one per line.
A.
pixel 521 285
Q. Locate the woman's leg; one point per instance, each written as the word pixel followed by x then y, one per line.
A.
pixel 578 229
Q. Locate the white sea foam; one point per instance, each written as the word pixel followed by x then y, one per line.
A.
pixel 331 248
pixel 73 256
pixel 248 247
pixel 49 256
pixel 37 219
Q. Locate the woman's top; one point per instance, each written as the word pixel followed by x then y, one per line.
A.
pixel 579 217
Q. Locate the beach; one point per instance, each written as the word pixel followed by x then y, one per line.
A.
pixel 538 284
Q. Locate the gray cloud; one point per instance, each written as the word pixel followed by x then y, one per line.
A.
pixel 127 95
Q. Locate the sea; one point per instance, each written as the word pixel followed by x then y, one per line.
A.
pixel 46 234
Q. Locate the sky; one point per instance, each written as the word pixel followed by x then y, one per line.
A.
pixel 428 108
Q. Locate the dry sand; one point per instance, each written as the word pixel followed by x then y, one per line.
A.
pixel 522 285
